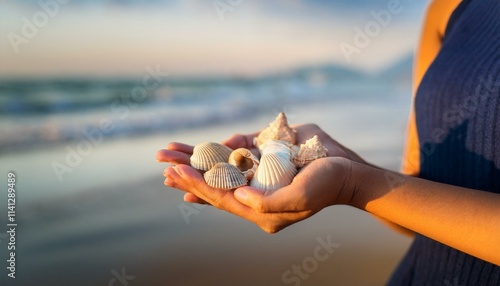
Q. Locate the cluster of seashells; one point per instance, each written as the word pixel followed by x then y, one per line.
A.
pixel 276 167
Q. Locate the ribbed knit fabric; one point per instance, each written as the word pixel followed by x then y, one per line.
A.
pixel 458 120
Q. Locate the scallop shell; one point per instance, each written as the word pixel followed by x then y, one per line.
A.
pixel 206 155
pixel 277 130
pixel 225 176
pixel 275 171
pixel 278 147
pixel 311 150
pixel 245 160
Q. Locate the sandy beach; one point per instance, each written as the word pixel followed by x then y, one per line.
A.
pixel 153 242
pixel 113 217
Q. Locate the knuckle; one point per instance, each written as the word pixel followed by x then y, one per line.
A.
pixel 235 136
pixel 315 126
pixel 341 161
pixel 218 201
pixel 171 145
pixel 260 207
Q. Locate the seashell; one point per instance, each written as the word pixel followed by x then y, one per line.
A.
pixel 275 171
pixel 310 151
pixel 277 130
pixel 225 176
pixel 245 160
pixel 277 146
pixel 206 155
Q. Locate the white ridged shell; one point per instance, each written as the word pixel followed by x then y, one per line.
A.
pixel 311 150
pixel 278 147
pixel 275 171
pixel 277 130
pixel 225 176
pixel 206 155
pixel 245 160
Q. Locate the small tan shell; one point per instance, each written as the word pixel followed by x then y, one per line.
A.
pixel 206 155
pixel 277 130
pixel 225 176
pixel 275 171
pixel 245 160
pixel 311 150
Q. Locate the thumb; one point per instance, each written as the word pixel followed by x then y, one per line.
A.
pixel 281 200
pixel 249 196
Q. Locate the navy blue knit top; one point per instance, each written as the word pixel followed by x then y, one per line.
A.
pixel 458 121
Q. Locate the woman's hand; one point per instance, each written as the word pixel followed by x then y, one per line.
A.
pixel 178 153
pixel 322 183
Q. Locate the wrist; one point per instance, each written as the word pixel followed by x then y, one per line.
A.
pixel 342 179
pixel 371 184
pixel 365 182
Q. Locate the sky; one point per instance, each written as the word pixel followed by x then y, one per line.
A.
pixel 200 38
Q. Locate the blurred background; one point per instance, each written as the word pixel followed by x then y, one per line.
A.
pixel 90 90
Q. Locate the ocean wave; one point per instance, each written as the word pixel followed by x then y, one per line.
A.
pixel 37 112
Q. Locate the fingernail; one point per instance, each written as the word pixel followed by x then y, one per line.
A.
pixel 240 195
pixel 167 182
pixel 158 156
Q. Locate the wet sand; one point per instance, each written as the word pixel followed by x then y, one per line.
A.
pixel 84 239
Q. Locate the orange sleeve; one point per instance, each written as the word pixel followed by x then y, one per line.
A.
pixel 436 19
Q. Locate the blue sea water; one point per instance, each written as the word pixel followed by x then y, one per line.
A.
pixel 45 111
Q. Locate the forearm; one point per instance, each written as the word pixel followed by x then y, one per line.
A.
pixel 465 219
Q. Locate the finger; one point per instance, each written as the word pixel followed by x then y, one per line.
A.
pixel 181 147
pixel 189 180
pixel 240 141
pixel 174 157
pixel 174 180
pixel 298 196
pixel 190 198
pixel 170 176
pixel 279 201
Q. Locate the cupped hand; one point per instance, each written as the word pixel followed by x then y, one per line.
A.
pixel 178 153
pixel 322 183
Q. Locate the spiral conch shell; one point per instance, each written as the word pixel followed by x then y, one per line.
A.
pixel 311 150
pixel 246 162
pixel 277 130
pixel 225 176
pixel 206 155
pixel 275 171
